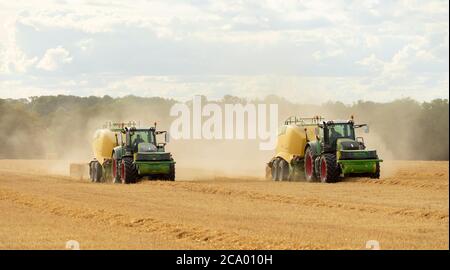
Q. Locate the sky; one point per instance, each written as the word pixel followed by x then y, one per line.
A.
pixel 304 51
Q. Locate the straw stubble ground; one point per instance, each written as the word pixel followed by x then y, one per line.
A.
pixel 406 209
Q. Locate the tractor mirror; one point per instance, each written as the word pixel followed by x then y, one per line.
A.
pixel 167 137
pixel 366 129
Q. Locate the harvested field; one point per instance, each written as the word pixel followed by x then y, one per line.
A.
pixel 42 208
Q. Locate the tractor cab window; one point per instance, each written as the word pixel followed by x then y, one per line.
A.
pixel 341 131
pixel 142 136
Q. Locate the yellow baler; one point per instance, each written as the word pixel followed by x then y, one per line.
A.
pixel 126 154
pixel 314 149
pixel 292 139
pixel 103 144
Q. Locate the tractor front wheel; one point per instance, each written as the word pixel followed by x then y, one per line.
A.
pixel 129 173
pixel 171 176
pixel 329 170
pixel 376 174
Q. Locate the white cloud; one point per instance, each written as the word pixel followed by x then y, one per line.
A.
pixel 416 68
pixel 320 55
pixel 54 58
pixel 372 62
pixel 298 49
pixel 12 58
pixel 86 44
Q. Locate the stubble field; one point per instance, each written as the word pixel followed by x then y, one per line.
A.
pixel 43 208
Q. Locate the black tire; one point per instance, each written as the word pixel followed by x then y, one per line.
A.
pixel 96 172
pixel 329 169
pixel 275 170
pixel 129 173
pixel 268 171
pixel 376 174
pixel 116 171
pixel 171 176
pixel 283 170
pixel 310 175
pixel 91 171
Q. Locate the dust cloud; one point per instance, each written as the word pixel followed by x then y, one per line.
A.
pixel 61 128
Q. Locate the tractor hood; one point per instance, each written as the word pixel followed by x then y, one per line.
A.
pixel 153 156
pixel 146 148
pixel 350 149
pixel 357 154
pixel 149 152
pixel 347 144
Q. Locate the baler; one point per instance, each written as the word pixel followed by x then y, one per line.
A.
pixel 125 154
pixel 315 149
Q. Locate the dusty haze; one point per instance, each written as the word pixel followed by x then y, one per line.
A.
pixel 62 127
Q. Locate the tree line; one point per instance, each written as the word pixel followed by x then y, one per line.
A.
pixel 62 126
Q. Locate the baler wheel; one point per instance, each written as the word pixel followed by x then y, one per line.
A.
pixel 283 173
pixel 97 172
pixel 275 170
pixel 91 171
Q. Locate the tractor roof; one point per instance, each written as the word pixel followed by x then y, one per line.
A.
pixel 331 122
pixel 141 129
pixel 316 120
pixel 303 120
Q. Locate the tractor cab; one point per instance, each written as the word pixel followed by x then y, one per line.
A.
pixel 131 154
pixel 339 135
pixel 142 145
pixel 313 148
pixel 334 130
pixel 140 140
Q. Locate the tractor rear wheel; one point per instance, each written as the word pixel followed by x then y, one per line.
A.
pixel 376 174
pixel 116 171
pixel 129 173
pixel 329 170
pixel 309 166
pixel 275 170
pixel 283 170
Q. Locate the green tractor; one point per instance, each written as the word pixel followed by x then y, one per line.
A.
pixel 336 151
pixel 314 149
pixel 128 154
